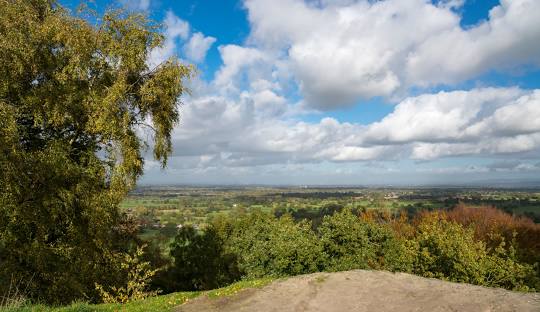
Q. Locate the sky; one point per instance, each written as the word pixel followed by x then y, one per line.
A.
pixel 351 92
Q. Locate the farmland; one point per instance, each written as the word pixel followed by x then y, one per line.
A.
pixel 161 210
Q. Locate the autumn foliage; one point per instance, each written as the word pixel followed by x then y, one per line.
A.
pixel 492 225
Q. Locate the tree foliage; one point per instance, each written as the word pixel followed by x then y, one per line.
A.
pixel 446 250
pixel 73 100
pixel 493 226
pixel 200 261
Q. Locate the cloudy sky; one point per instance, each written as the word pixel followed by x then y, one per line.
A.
pixel 394 92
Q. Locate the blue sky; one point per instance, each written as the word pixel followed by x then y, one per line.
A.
pixel 394 92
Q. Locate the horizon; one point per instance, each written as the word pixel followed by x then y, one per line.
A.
pixel 530 185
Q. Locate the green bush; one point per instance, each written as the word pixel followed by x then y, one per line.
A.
pixel 448 251
pixel 502 269
pixel 351 243
pixel 257 244
pixel 268 246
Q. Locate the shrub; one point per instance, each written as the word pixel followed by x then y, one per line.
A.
pixel 15 294
pixel 267 246
pixel 397 222
pixel 257 244
pixel 502 269
pixel 138 276
pixel 447 250
pixel 351 243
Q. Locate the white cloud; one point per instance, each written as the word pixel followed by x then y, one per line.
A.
pixel 444 116
pixel 512 165
pixel 197 46
pixel 508 39
pixel 235 60
pixel 523 116
pixel 341 52
pixel 175 26
pixel 175 29
pixel 268 103
pixel 177 33
pixel 486 146
pixel 250 129
pixel 479 121
pixel 139 5
pixel 451 4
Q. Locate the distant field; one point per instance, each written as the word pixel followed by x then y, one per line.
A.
pixel 163 209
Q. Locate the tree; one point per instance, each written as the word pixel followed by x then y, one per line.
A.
pixel 73 98
pixel 200 262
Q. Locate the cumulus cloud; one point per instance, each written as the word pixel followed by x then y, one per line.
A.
pixel 175 29
pixel 519 118
pixel 236 60
pixel 478 121
pixel 268 103
pixel 247 130
pixel 342 52
pixel 507 39
pixel 197 46
pixel 449 116
pixel 180 41
pixel 512 165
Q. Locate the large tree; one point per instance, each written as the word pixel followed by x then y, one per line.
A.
pixel 73 99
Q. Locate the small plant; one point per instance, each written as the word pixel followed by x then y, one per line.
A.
pixel 139 275
pixel 321 279
pixel 15 295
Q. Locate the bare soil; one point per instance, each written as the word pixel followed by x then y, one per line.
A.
pixel 366 291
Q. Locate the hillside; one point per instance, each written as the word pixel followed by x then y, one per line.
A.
pixel 366 291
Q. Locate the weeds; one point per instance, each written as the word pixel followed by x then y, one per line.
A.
pixel 15 296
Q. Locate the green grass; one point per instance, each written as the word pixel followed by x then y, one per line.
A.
pixel 236 287
pixel 160 303
pixel 321 278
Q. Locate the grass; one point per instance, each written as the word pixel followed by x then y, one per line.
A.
pixel 156 304
pixel 236 287
pixel 321 278
pixel 159 303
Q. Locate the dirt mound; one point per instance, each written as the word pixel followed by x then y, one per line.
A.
pixel 367 291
